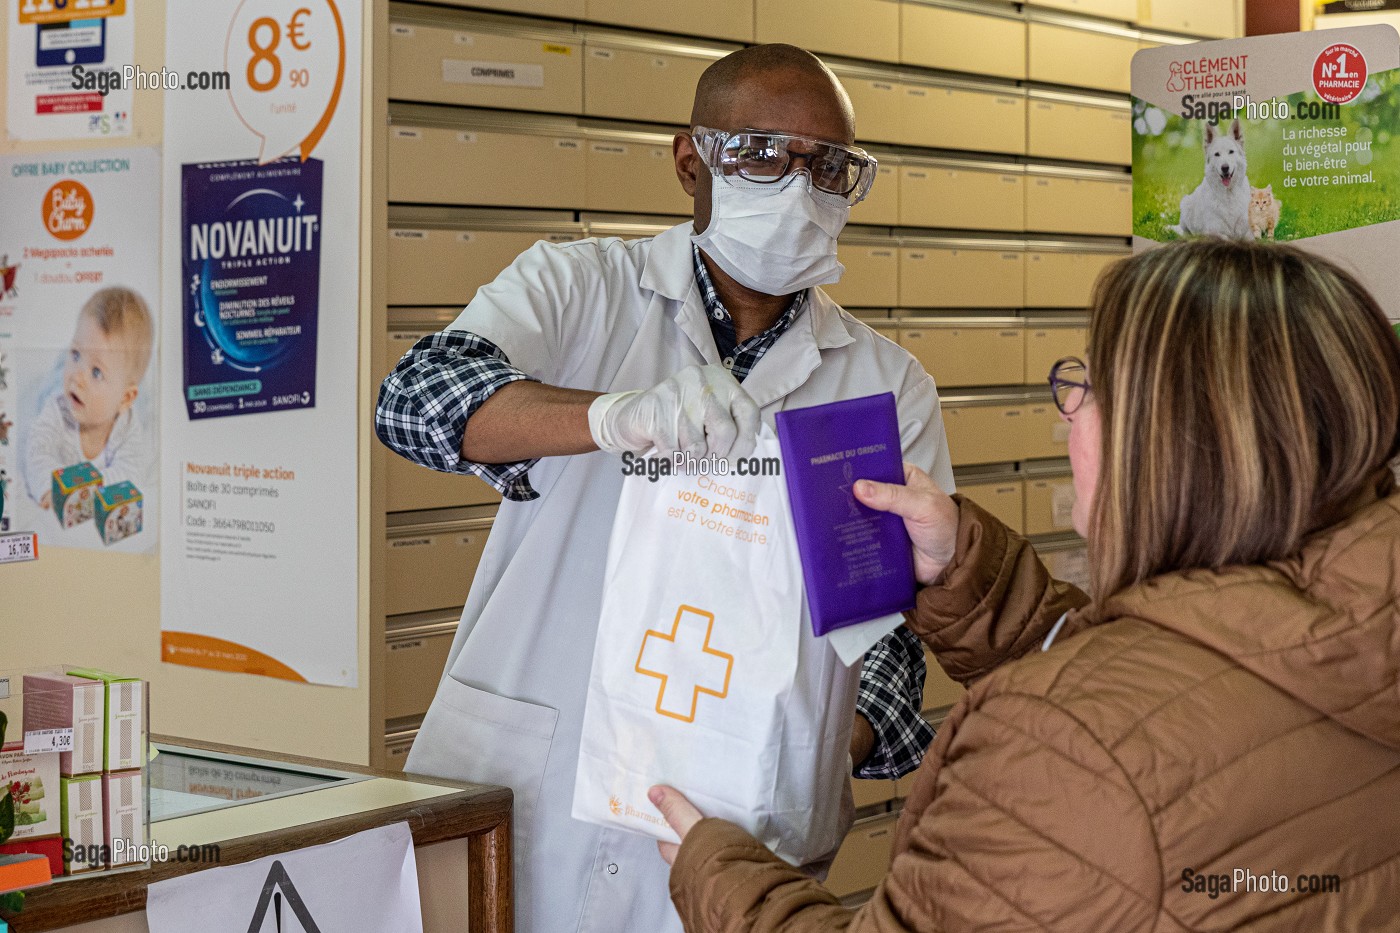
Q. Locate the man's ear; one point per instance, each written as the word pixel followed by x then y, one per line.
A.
pixel 688 164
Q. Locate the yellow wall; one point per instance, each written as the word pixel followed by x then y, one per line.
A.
pixel 89 608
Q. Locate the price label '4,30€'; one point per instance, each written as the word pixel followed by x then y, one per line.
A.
pixel 286 64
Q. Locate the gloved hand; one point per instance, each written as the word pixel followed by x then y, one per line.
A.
pixel 701 410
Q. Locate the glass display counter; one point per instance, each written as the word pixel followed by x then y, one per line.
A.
pixel 229 805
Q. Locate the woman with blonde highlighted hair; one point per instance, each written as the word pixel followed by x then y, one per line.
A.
pixel 1209 740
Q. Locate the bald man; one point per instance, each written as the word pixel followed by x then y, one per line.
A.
pixel 581 353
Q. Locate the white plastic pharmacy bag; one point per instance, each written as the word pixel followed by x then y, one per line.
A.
pixel 706 675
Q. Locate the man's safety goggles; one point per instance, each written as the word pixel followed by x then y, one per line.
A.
pixel 765 158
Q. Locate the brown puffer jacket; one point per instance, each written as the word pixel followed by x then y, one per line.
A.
pixel 1196 726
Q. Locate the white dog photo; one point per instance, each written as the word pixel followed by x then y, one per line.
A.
pixel 1220 204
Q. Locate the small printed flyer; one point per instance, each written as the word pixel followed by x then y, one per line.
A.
pixel 252 264
pixel 79 328
pixel 1287 137
pixel 64 59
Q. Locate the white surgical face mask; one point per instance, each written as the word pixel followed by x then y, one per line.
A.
pixel 776 239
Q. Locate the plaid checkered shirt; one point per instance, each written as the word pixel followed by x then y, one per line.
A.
pixel 422 414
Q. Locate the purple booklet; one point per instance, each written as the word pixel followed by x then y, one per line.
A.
pixel 857 563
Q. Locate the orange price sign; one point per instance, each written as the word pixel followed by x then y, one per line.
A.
pixel 287 64
pixel 40 12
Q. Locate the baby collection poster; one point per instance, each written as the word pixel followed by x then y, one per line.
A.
pixel 79 329
pixel 1285 138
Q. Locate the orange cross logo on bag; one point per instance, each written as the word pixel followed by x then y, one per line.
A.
pixel 685 648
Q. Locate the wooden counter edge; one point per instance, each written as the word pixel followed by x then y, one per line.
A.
pixel 480 813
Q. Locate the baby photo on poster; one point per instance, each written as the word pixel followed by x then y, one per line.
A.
pixel 251 249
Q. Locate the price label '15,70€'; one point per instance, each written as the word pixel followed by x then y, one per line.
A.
pixel 286 62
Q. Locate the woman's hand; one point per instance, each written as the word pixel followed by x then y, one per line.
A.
pixel 679 812
pixel 930 516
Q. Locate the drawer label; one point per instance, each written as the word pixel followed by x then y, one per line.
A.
pixel 601 53
pixel 573 144
pixel 1062 506
pixel 561 237
pixel 882 253
pixel 659 63
pixel 916 92
pixel 609 148
pixel 401 31
pixel 1011 179
pixel 466 137
pixel 401 133
pixel 411 542
pixel 1012 413
pixel 467 540
pixel 409 234
pixel 464 38
pixel 555 49
pixel 464 237
pixel 914 174
pixel 495 74
pixel 406 645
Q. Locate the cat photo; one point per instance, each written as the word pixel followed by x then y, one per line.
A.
pixel 1263 211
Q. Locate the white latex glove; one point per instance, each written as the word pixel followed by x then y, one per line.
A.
pixel 701 410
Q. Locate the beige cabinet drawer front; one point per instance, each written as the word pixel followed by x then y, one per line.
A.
pixel 960 40
pixel 870 793
pixel 867 29
pixel 411 487
pixel 878 105
pixel 871 279
pixel 1047 345
pixel 716 19
pixel 443 65
pixel 1049 503
pixel 430 570
pixel 629 177
pixel 967 356
pixel 1091 206
pixel 961 278
pixel 1079 132
pixel 1063 280
pixel 1005 500
pixel 1046 433
pixel 432 165
pixel 639 84
pixel 413 665
pixel 446 267
pixel 1125 10
pixel 940 690
pixel 987 433
pixel 1216 19
pixel 881 205
pixel 563 9
pixel 1081 57
pixel 960 118
pixel 864 857
pixel 961 199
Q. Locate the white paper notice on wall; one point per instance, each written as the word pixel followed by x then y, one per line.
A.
pixel 368 881
pixel 503 74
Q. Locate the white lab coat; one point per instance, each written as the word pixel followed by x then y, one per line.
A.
pixel 607 315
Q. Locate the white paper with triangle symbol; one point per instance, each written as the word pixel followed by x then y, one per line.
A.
pixel 368 881
pixel 706 674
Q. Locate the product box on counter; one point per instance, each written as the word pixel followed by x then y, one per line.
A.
pixel 84 823
pixel 64 702
pixel 33 783
pixel 124 708
pixel 124 808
